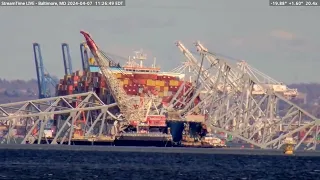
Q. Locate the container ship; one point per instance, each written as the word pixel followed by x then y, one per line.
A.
pixel 136 79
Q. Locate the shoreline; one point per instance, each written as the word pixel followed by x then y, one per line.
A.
pixel 181 150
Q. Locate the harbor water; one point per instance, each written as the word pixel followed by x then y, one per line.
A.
pixel 78 164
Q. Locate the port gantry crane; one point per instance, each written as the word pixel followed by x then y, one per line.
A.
pixel 125 103
pixel 84 56
pixel 67 62
pixel 44 79
pixel 254 118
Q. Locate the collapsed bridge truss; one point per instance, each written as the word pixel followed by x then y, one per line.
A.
pixel 238 103
pixel 85 112
pixel 232 100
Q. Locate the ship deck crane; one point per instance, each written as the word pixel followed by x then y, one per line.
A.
pixel 66 59
pixel 125 104
pixel 43 78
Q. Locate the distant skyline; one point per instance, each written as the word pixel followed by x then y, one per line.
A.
pixel 282 42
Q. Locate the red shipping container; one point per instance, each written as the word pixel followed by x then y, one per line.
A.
pixel 128 76
pixel 168 77
pixel 153 76
pixel 131 90
pixel 173 88
pixel 75 78
pixel 150 88
pixel 166 99
pixel 166 83
pixel 302 134
pixel 141 81
pixel 139 76
pixel 133 123
pixel 102 84
pixel 156 120
pixel 70 88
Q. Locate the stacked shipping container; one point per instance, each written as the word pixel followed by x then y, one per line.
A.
pixel 133 83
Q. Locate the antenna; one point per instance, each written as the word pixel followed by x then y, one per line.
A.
pixel 140 56
pixel 154 62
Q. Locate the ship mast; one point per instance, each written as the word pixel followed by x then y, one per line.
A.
pixel 140 56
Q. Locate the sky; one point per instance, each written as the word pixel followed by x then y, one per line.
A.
pixel 282 42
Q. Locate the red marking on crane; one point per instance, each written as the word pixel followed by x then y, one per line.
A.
pixel 90 42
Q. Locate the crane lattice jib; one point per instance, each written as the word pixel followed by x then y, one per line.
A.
pixel 125 105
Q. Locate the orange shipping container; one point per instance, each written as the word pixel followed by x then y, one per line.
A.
pixel 165 93
pixel 118 75
pixel 159 83
pixel 151 82
pixel 126 81
pixel 174 83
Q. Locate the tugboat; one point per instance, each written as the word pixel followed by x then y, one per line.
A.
pixel 289 146
pixel 211 140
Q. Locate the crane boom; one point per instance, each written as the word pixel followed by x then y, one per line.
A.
pixel 125 104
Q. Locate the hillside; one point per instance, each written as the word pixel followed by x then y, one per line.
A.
pixel 17 90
